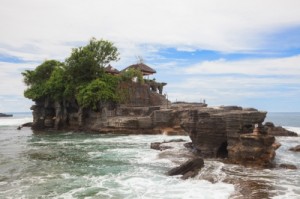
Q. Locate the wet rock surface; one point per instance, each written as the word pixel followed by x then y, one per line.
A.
pixel 188 169
pixel 28 124
pixel 295 149
pixel 164 145
pixel 288 166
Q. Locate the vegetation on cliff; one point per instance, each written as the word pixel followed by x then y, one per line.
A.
pixel 81 76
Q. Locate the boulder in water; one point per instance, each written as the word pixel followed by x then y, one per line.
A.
pixel 160 145
pixel 295 149
pixel 288 166
pixel 188 169
pixel 278 130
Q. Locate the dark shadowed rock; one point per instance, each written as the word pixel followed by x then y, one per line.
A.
pixel 189 145
pixel 188 169
pixel 288 166
pixel 295 149
pixel 278 130
pixel 28 124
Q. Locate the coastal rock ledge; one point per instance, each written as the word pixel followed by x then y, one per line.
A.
pixel 229 132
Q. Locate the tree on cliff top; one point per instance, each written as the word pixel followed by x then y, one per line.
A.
pixel 57 81
pixel 87 63
pixel 37 80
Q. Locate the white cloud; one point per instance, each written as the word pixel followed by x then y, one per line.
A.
pixel 226 82
pixel 12 87
pixel 218 25
pixel 35 30
pixel 271 66
pixel 11 80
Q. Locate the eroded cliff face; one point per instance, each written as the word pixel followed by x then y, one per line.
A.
pixel 231 132
pixel 135 113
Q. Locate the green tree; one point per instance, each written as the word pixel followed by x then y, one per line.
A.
pixel 86 63
pixel 81 76
pixel 41 73
pixel 55 85
pixel 99 90
pixel 36 80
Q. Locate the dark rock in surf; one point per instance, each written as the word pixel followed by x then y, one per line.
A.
pixel 160 145
pixel 188 169
pixel 295 149
pixel 278 130
pixel 288 166
pixel 28 124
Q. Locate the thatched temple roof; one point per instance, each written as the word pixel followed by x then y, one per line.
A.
pixel 111 70
pixel 146 70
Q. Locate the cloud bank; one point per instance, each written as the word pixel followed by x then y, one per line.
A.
pixel 35 30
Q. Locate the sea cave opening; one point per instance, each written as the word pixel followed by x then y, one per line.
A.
pixel 222 151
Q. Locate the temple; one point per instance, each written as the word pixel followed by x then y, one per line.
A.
pixel 145 70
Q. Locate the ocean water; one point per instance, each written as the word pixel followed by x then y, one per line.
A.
pixel 81 165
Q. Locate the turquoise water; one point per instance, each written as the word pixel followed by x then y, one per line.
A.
pixel 80 165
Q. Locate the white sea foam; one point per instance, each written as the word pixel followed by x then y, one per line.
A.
pixel 14 121
pixel 146 183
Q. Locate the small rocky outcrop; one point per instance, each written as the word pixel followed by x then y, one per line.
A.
pixel 295 149
pixel 28 124
pixel 278 130
pixel 288 166
pixel 162 145
pixel 159 146
pixel 188 169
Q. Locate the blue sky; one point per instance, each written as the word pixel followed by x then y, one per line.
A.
pixel 236 52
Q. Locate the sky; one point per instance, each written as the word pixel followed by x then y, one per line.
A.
pixel 234 52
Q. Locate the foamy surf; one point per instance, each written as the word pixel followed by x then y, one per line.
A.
pixel 78 165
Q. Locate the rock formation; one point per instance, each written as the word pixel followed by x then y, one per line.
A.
pixel 188 169
pixel 278 130
pixel 231 132
pixel 288 166
pixel 135 114
pixel 295 149
pixel 224 132
pixel 163 145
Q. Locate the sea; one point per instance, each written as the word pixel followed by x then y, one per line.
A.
pixel 106 166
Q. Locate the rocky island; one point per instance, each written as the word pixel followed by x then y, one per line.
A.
pixel 85 93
